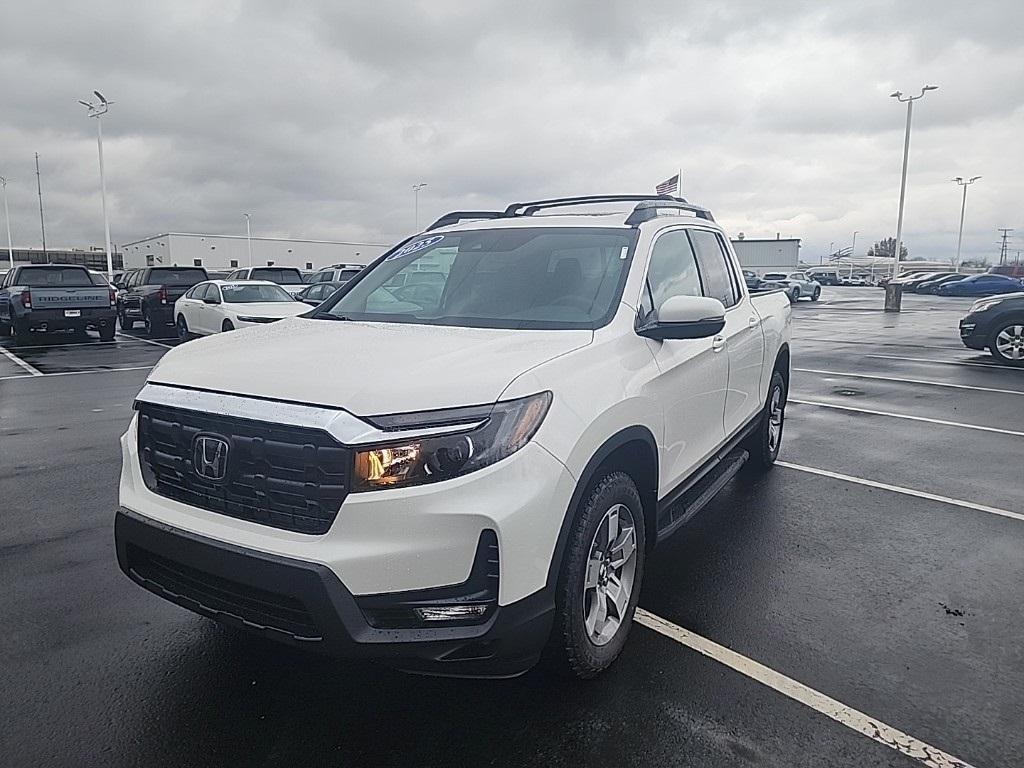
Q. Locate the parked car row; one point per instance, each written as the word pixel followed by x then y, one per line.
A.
pixel 958 284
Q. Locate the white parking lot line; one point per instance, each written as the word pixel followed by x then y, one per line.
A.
pixel 80 373
pixel 144 341
pixel 20 363
pixel 904 491
pixel 910 381
pixel 906 416
pixel 855 720
pixel 948 362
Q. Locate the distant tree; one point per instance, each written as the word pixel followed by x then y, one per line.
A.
pixel 886 248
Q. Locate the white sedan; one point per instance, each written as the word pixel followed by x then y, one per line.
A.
pixel 223 305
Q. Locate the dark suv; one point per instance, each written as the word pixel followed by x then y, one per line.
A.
pixel 149 295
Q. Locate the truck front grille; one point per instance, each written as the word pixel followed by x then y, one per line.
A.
pixel 288 477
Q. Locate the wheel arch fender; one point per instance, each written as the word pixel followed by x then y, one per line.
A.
pixel 633 450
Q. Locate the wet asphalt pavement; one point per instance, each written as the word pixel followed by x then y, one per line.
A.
pixel 907 609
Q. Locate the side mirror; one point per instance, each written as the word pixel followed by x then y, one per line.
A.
pixel 686 317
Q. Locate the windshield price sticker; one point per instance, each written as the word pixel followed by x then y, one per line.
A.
pixel 416 247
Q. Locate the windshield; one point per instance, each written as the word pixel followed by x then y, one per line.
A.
pixel 175 276
pixel 281 276
pixel 58 277
pixel 542 277
pixel 247 294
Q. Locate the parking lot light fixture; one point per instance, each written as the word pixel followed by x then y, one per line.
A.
pixel 963 208
pixel 98 110
pixel 7 218
pixel 248 236
pixel 416 205
pixel 898 95
pixel 853 249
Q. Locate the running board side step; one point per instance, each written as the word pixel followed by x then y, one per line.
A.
pixel 679 507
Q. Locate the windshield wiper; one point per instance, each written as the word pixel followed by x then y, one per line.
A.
pixel 329 316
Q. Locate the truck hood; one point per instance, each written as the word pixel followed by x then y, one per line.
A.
pixel 365 368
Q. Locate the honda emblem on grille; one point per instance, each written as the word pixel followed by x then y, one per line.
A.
pixel 210 457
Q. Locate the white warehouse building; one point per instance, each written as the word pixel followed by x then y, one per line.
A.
pixel 778 255
pixel 224 252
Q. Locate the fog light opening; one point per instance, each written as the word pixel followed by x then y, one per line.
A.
pixel 450 612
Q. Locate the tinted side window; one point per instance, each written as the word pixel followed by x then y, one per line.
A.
pixel 714 268
pixel 672 270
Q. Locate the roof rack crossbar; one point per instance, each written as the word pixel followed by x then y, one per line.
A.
pixel 456 216
pixel 561 202
pixel 648 210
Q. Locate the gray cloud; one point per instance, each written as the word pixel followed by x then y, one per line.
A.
pixel 319 118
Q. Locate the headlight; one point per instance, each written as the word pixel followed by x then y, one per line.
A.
pixel 498 431
pixel 982 304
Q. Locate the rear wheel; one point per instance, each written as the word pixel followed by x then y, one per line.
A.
pixel 107 332
pixel 764 442
pixel 796 293
pixel 227 325
pixel 125 322
pixel 600 578
pixel 1007 343
pixel 5 330
pixel 22 335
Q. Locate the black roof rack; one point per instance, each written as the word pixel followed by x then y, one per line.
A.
pixel 646 209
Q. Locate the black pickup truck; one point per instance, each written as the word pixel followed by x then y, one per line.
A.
pixel 149 295
pixel 42 298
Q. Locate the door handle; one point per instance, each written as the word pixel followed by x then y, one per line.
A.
pixel 718 344
pixel 753 321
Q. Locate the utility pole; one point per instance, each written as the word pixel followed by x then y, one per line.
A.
pixel 7 218
pixel 42 221
pixel 853 247
pixel 1004 250
pixel 97 111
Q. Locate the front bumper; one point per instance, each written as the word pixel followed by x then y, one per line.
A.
pixel 973 334
pixel 304 604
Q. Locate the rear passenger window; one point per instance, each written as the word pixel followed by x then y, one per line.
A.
pixel 714 267
pixel 672 271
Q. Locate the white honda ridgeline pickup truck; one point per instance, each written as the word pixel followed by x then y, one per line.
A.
pixel 467 478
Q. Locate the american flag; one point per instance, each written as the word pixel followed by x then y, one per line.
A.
pixel 668 186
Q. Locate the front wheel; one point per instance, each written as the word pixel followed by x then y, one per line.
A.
pixel 764 442
pixel 182 328
pixel 125 322
pixel 600 578
pixel 796 293
pixel 1007 344
pixel 816 295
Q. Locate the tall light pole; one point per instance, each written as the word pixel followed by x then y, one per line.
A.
pixel 963 208
pixel 416 205
pixel 97 111
pixel 898 95
pixel 248 236
pixel 853 248
pixel 7 218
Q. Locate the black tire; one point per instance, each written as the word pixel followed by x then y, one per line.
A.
pixel 147 322
pixel 1013 342
pixel 22 335
pixel 5 330
pixel 763 444
pixel 107 332
pixel 816 295
pixel 570 648
pixel 125 322
pixel 181 326
pixel 227 325
pixel 796 293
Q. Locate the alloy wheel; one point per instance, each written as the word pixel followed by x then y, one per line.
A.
pixel 1010 342
pixel 775 415
pixel 610 575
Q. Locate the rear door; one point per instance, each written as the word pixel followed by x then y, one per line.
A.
pixel 693 374
pixel 742 338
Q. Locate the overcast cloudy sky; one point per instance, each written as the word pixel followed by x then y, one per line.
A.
pixel 318 117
